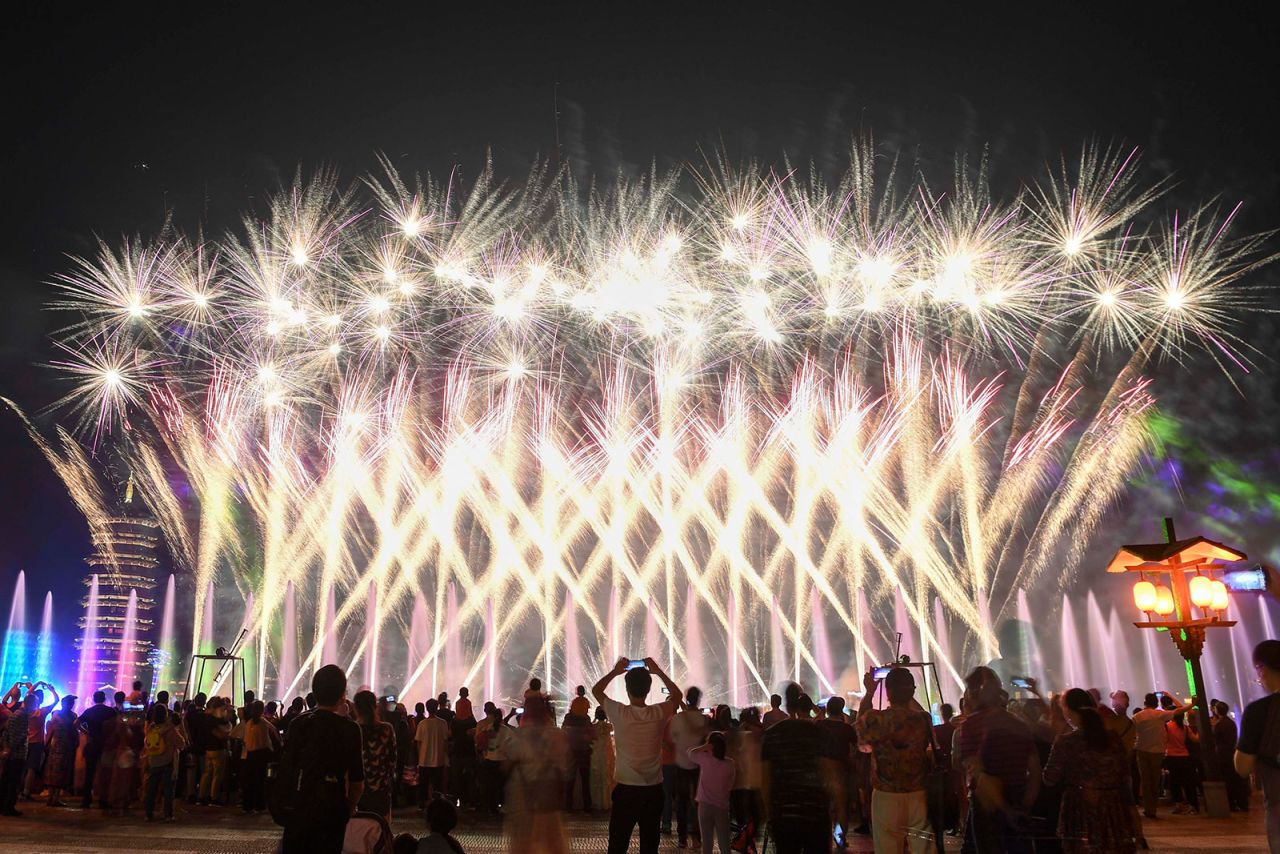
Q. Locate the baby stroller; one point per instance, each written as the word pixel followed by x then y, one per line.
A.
pixel 367 833
pixel 745 840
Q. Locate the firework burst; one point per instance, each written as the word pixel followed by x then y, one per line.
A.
pixel 769 404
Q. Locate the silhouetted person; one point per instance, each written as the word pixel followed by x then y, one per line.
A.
pixel 322 768
pixel 793 756
pixel 90 724
pixel 1255 753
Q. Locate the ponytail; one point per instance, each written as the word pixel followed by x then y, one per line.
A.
pixel 716 739
pixel 1095 733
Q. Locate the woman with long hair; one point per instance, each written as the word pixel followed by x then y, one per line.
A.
pixel 715 781
pixel 1179 743
pixel 261 739
pixel 378 740
pixel 1090 763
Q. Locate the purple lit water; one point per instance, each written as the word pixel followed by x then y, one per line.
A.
pixel 85 678
pixel 126 661
pixel 1072 671
pixel 821 643
pixel 780 668
pixel 166 646
pixel 695 672
pixel 419 648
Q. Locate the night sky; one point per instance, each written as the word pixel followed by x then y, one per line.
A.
pixel 117 119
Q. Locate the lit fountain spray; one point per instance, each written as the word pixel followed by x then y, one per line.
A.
pixel 88 644
pixel 163 655
pixel 454 665
pixel 652 639
pixel 17 646
pixel 371 651
pixel 572 649
pixel 614 627
pixel 779 666
pixel 330 655
pixel 737 670
pixel 867 652
pixel 1100 638
pixel 821 644
pixel 694 670
pixel 1140 661
pixel 1268 628
pixel 1034 650
pixel 44 641
pixel 419 644
pixel 1072 659
pixel 574 665
pixel 206 645
pixel 126 661
pixel 289 643
pixel 943 632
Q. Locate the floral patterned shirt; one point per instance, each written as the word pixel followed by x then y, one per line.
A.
pixel 899 739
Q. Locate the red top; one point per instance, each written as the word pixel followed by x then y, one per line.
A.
pixel 1177 742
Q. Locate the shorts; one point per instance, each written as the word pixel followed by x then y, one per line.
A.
pixel 35 756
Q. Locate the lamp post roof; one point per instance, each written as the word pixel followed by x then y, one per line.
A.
pixel 1160 555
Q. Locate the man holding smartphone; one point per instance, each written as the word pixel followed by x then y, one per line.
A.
pixel 900 737
pixel 637 732
pixel 1150 745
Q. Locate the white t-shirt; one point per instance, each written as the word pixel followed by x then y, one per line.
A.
pixel 772 716
pixel 637 736
pixel 433 743
pixel 688 730
pixel 1152 735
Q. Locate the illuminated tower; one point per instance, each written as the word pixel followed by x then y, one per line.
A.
pixel 117 636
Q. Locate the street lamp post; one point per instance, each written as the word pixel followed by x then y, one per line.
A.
pixel 1193 601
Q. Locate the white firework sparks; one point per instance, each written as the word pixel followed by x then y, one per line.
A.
pixel 758 403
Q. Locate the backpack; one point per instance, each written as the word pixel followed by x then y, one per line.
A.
pixel 153 744
pixel 306 789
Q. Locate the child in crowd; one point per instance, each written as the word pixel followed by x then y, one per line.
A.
pixel 442 817
pixel 715 781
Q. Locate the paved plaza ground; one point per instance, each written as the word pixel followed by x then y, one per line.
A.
pixel 212 830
